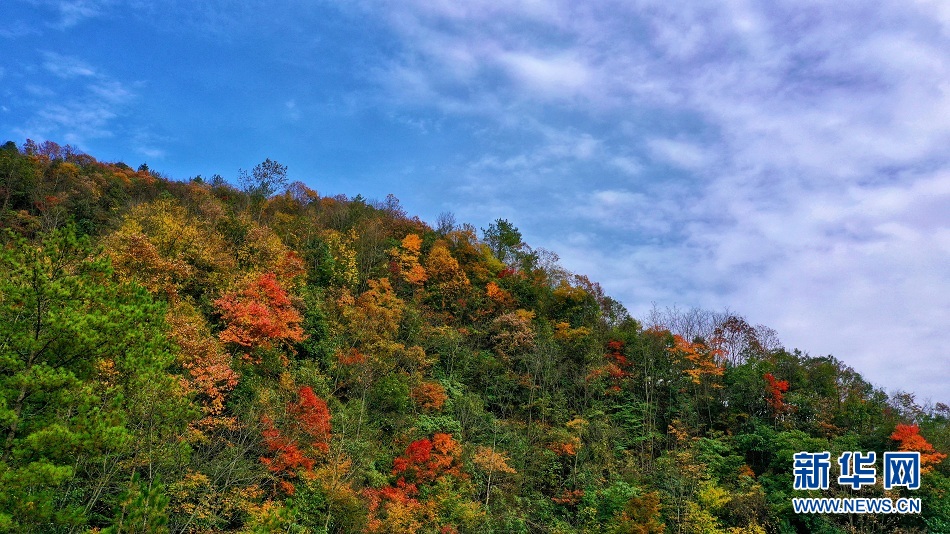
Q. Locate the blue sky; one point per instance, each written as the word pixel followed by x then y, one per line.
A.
pixel 787 160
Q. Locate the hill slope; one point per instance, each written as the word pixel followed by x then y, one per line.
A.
pixel 190 357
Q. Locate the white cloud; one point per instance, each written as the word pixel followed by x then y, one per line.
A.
pixel 292 112
pixel 73 12
pixel 17 29
pixel 75 122
pixel 681 153
pixel 558 76
pixel 629 165
pixel 150 152
pixel 110 91
pixel 66 66
pixel 76 104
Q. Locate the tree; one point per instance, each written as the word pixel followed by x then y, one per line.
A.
pixel 737 339
pixel 260 315
pixel 504 239
pixel 909 438
pixel 429 396
pixel 305 437
pixel 266 179
pixel 169 251
pixel 425 461
pixel 641 515
pixel 775 390
pixel 406 261
pixel 448 284
pixel 208 374
pixel 402 506
pixel 84 395
pixel 697 360
pixel 445 223
pixel 18 179
pixel 616 369
pixel 493 464
pixel 141 509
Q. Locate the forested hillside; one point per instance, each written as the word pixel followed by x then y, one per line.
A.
pixel 200 357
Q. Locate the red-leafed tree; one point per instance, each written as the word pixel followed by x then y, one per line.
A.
pixel 260 315
pixel 425 462
pixel 617 366
pixel 286 456
pixel 305 437
pixel 909 439
pixel 775 393
pixel 313 418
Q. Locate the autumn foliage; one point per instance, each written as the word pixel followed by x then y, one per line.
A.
pixel 698 360
pixel 909 439
pixel 424 460
pixel 492 461
pixel 163 344
pixel 260 315
pixel 616 368
pixel 567 447
pixel 397 507
pixel 312 418
pixel 209 374
pixel 429 396
pixel 305 436
pixel 498 296
pixel 406 260
pixel 774 393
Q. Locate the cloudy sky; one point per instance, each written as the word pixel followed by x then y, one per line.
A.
pixel 787 160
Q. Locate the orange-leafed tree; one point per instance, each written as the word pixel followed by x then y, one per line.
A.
pixel 429 396
pixel 498 297
pixel 909 439
pixel 448 284
pixel 406 261
pixel 473 256
pixel 261 315
pixel 494 464
pixel 698 361
pixel 704 367
pixel 208 372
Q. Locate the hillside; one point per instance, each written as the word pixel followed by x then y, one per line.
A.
pixel 197 357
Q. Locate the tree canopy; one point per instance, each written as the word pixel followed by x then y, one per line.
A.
pixel 197 357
